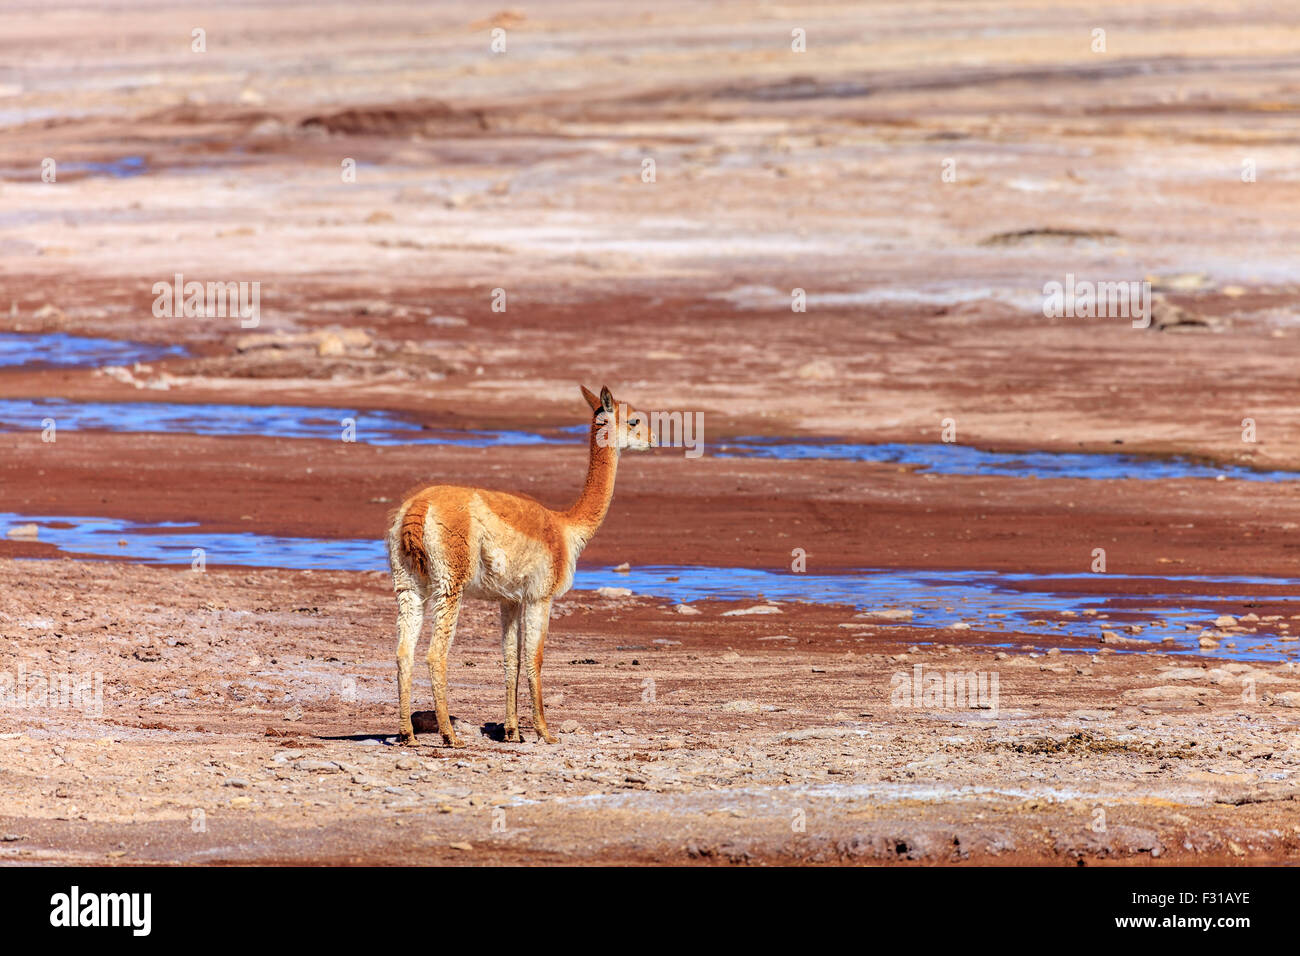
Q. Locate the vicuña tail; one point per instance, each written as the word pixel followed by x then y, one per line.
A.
pixel 412 538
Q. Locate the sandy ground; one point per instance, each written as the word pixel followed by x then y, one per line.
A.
pixel 261 731
pixel 224 692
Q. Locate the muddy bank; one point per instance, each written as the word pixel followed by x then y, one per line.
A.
pixel 726 512
pixel 868 371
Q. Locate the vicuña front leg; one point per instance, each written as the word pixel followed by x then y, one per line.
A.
pixel 536 619
pixel 410 618
pixel 511 617
pixel 445 610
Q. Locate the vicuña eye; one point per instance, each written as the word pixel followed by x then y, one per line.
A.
pixel 634 422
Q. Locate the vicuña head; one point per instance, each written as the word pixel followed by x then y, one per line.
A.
pixel 447 542
pixel 613 423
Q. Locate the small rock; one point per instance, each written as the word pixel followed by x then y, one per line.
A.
pixel 894 614
pixel 317 766
pixel 1165 692
pixel 1167 317
pixel 818 370
pixel 25 532
pixel 330 345
pixel 755 609
pixel 614 592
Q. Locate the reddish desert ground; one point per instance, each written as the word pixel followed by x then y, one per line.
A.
pixel 920 171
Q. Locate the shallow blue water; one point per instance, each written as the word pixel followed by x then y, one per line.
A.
pixel 276 421
pixel 936 599
pixel 387 428
pixel 123 168
pixel 58 349
pixel 173 543
pixel 376 427
pixel 953 459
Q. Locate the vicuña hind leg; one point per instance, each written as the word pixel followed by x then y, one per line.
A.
pixel 446 607
pixel 536 619
pixel 511 617
pixel 410 618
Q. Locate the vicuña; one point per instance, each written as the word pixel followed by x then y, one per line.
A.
pixel 447 543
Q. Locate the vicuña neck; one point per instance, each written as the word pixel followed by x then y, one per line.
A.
pixel 589 510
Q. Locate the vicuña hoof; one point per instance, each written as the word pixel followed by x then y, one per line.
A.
pixel 405 739
pixel 451 740
pixel 512 736
pixel 546 737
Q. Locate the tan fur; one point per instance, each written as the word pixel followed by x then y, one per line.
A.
pixel 448 542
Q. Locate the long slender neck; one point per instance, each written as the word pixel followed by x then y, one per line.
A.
pixel 589 510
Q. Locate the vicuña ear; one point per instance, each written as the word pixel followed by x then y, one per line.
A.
pixel 592 400
pixel 606 399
